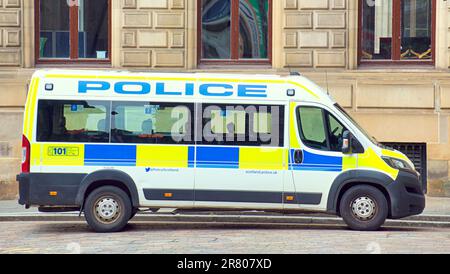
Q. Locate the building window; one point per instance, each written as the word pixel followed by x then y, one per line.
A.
pixel 234 31
pixel 73 31
pixel 400 31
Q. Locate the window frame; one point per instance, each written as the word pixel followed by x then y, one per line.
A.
pixel 234 42
pixel 326 122
pixel 396 43
pixel 73 21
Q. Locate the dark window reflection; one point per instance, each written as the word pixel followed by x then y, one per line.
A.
pixel 253 27
pixel 377 29
pixel 152 123
pixel 93 29
pixel 416 29
pixel 73 121
pixel 216 29
pixel 54 29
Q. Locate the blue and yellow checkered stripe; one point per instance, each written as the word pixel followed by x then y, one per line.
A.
pixel 316 162
pixel 160 156
pixel 155 156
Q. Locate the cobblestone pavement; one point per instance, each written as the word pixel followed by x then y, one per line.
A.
pixel 76 237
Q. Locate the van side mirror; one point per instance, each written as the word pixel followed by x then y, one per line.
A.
pixel 346 142
pixel 350 144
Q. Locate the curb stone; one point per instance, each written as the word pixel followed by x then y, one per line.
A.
pixel 432 221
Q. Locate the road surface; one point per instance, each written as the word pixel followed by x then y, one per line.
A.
pixel 145 237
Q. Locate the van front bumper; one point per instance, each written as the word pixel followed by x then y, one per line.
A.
pixel 35 189
pixel 407 197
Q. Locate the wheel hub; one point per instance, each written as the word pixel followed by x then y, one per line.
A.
pixel 107 209
pixel 364 208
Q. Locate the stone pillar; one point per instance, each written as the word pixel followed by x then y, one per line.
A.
pixel 315 33
pixel 153 34
pixel 10 33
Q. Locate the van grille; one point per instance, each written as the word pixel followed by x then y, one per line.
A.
pixel 417 153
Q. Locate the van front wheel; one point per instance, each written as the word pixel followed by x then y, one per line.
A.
pixel 107 209
pixel 364 208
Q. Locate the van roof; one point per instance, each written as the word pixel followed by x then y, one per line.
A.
pixel 77 72
pixel 312 91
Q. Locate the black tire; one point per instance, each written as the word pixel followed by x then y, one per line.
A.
pixel 358 197
pixel 108 196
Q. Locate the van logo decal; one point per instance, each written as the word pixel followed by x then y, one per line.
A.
pixel 160 89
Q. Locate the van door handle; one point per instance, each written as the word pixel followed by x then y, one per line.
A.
pixel 298 156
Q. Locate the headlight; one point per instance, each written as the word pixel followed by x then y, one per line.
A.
pixel 397 163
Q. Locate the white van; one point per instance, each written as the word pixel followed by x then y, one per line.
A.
pixel 113 143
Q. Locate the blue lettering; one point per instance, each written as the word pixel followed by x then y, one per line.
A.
pixel 160 90
pixel 204 90
pixel 189 89
pixel 252 91
pixel 85 86
pixel 142 88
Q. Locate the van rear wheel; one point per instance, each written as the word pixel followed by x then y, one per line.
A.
pixel 107 209
pixel 364 208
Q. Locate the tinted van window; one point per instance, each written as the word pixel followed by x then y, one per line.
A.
pixel 73 121
pixel 152 123
pixel 242 125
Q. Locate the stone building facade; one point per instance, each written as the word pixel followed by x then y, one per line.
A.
pixel 319 38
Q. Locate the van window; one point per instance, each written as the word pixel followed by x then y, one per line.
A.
pixel 312 128
pixel 73 121
pixel 152 123
pixel 336 132
pixel 319 129
pixel 242 125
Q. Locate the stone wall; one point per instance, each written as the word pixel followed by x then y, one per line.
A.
pixel 10 153
pixel 315 33
pixel 10 33
pixel 13 88
pixel 153 34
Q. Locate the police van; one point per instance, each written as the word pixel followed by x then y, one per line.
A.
pixel 111 144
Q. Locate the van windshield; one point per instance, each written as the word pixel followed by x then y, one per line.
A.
pixel 362 130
